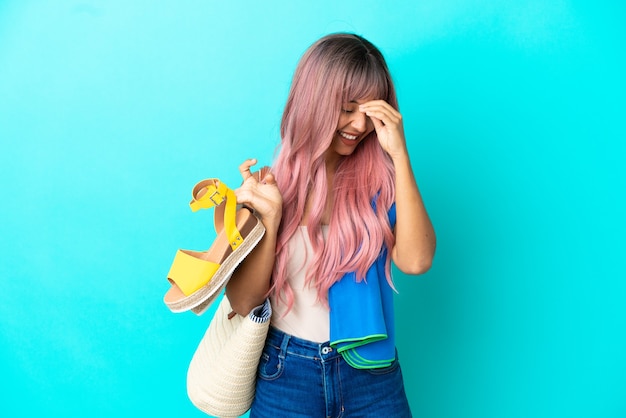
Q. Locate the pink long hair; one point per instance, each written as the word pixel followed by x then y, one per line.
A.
pixel 335 70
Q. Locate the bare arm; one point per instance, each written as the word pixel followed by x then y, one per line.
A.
pixel 251 280
pixel 415 236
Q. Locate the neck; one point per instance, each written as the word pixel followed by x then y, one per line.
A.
pixel 332 160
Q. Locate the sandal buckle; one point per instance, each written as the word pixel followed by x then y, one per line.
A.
pixel 219 197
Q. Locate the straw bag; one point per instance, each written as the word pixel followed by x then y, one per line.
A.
pixel 222 373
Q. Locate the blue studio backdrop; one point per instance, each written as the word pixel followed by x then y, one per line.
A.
pixel 110 111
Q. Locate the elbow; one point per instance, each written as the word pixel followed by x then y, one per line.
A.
pixel 419 265
pixel 244 304
pixel 242 309
pixel 244 300
pixel 415 257
pixel 239 306
pixel 415 263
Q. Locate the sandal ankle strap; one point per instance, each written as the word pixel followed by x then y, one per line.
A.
pixel 213 193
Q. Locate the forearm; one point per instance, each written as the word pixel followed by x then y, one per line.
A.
pixel 251 280
pixel 415 236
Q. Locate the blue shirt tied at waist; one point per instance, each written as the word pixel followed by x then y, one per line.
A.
pixel 362 325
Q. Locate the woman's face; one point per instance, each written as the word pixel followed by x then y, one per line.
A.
pixel 352 128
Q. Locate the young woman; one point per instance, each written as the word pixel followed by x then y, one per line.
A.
pixel 339 203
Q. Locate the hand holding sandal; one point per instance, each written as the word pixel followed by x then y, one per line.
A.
pixel 198 277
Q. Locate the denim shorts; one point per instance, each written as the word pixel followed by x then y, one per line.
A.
pixel 300 378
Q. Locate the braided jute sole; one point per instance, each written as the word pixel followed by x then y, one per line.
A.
pixel 200 300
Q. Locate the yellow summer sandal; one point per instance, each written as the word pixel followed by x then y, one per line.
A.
pixel 198 277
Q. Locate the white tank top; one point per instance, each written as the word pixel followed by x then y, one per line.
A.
pixel 308 318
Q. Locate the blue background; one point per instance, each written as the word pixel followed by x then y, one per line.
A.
pixel 110 111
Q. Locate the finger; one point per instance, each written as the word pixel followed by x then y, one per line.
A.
pixel 380 106
pixel 261 173
pixel 385 117
pixel 243 196
pixel 244 168
pixel 380 116
pixel 377 103
pixel 269 179
pixel 378 124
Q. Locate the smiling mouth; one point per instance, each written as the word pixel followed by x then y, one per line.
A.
pixel 348 136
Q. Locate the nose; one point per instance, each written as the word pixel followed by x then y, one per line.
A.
pixel 359 121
